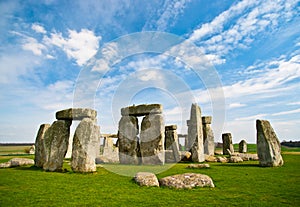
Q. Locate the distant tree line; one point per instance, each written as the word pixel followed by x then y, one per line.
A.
pixel 291 143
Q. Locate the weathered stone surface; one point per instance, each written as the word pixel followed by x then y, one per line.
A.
pixel 208 136
pixel 110 151
pixel 16 162
pixel 206 119
pixel 185 156
pixel 227 144
pixel 246 156
pixel 56 141
pixel 32 150
pixel 268 145
pixel 128 140
pixel 195 134
pixel 235 159
pixel 171 143
pixel 40 156
pixel 198 166
pixel 243 146
pixel 187 180
pixel 222 159
pixel 85 145
pixel 146 179
pixel 142 110
pixel 76 114
pixel 152 138
pixel 210 158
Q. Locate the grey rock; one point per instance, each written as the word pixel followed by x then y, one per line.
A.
pixel 235 159
pixel 40 157
pixel 5 165
pixel 227 144
pixel 198 166
pixel 142 110
pixel 243 146
pixel 110 152
pixel 56 141
pixel 85 145
pixel 171 143
pixel 268 145
pixel 208 136
pixel 187 180
pixel 76 114
pixel 128 140
pixel 32 150
pixel 146 179
pixel 152 139
pixel 15 162
pixel 210 158
pixel 222 159
pixel 195 134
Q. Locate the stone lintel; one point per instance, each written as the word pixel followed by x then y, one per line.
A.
pixel 142 110
pixel 206 119
pixel 76 114
pixel 171 127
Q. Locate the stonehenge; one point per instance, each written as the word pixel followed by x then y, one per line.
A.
pixel 145 146
pixel 268 145
pixel 227 144
pixel 208 136
pixel 171 144
pixel 243 146
pixel 52 141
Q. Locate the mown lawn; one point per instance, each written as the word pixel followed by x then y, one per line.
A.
pixel 244 184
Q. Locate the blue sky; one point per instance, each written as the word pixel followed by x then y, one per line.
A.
pixel 253 46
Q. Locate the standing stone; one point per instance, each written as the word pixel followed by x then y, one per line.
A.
pixel 268 145
pixel 128 140
pixel 195 134
pixel 208 136
pixel 243 146
pixel 40 154
pixel 56 144
pixel 85 145
pixel 152 139
pixel 227 144
pixel 171 142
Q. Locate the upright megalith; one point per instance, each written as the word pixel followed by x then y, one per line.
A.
pixel 208 136
pixel 195 134
pixel 40 157
pixel 152 138
pixel 149 147
pixel 85 146
pixel 128 140
pixel 268 145
pixel 227 144
pixel 56 144
pixel 171 143
pixel 243 146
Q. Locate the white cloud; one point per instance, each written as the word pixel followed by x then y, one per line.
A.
pixel 34 46
pixel 236 105
pixel 38 28
pixel 287 112
pixel 294 103
pixel 80 46
pixel 249 118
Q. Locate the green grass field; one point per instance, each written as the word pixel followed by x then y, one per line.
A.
pixel 244 184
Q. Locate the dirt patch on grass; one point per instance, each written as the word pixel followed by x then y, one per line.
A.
pixel 291 153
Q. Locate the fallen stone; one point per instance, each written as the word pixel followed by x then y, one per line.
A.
pixel 247 157
pixel 16 162
pixel 5 164
pixel 187 180
pixel 222 159
pixel 268 145
pixel 210 158
pixel 142 110
pixel 185 156
pixel 235 159
pixel 198 166
pixel 40 157
pixel 85 145
pixel 76 114
pixel 146 179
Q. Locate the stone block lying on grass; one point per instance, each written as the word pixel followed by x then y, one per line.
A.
pixel 198 166
pixel 187 180
pixel 15 162
pixel 235 159
pixel 146 179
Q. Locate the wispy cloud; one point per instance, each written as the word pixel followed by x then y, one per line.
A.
pixel 287 112
pixel 38 28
